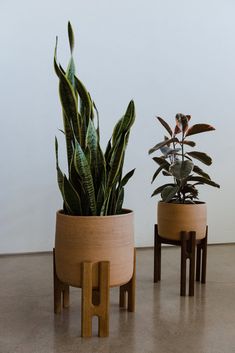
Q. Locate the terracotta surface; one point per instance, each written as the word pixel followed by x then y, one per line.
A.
pixel 94 238
pixel 173 218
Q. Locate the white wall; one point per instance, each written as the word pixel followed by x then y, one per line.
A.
pixel 169 56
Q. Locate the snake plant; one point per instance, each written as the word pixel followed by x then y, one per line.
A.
pixel 94 184
pixel 177 162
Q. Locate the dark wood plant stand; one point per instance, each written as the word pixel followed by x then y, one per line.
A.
pixel 95 301
pixel 188 244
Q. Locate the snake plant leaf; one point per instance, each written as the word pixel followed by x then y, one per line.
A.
pixel 119 201
pixel 126 178
pixel 199 171
pixel 201 156
pixel 71 197
pixel 181 169
pixel 160 188
pixel 169 192
pixel 202 180
pixel 67 97
pixel 98 121
pixel 71 37
pixel 83 169
pixel 124 124
pixel 161 144
pixel 198 128
pixel 116 160
pixel 68 137
pixel 85 98
pixel 59 172
pixel 162 166
pixel 165 124
pixel 70 73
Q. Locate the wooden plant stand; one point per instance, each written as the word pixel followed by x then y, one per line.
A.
pixel 188 243
pixel 95 301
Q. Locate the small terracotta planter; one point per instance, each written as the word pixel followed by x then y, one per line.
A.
pixel 94 238
pixel 174 218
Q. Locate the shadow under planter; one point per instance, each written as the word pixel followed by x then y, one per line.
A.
pixel 94 253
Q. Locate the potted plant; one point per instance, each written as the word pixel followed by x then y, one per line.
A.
pixel 180 209
pixel 92 226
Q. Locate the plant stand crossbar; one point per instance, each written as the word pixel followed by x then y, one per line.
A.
pixel 95 301
pixel 188 244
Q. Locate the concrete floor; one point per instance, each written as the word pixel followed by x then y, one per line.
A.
pixel 163 322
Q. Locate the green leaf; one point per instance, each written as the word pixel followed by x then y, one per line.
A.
pixel 126 178
pixel 198 128
pixel 165 124
pixel 161 144
pixel 71 37
pixel 162 166
pixel 60 176
pixel 119 201
pixel 160 188
pixel 71 197
pixel 160 161
pixel 125 123
pixel 169 192
pixel 201 156
pixel 116 160
pixel 202 180
pixel 85 98
pixel 181 169
pixel 83 169
pixel 189 143
pixel 199 171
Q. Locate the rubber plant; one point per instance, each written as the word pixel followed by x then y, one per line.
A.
pixel 94 184
pixel 177 162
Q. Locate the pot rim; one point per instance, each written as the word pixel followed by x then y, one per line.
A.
pixel 196 203
pixel 125 214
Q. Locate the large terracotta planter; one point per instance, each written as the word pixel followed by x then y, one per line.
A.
pixel 174 218
pixel 94 238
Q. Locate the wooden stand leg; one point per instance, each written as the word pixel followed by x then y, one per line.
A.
pixel 191 255
pixel 89 308
pixel 204 257
pixel 183 263
pixel 157 255
pixel 198 265
pixel 61 290
pixel 127 291
pixel 188 245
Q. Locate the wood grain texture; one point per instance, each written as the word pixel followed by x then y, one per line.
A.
pixel 89 308
pixel 127 291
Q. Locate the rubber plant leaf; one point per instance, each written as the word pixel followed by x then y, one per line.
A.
pixel 160 188
pixel 199 171
pixel 165 124
pixel 201 156
pixel 169 192
pixel 181 169
pixel 198 128
pixel 161 144
pixel 202 180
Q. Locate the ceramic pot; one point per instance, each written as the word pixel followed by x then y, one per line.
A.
pixel 94 238
pixel 173 218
